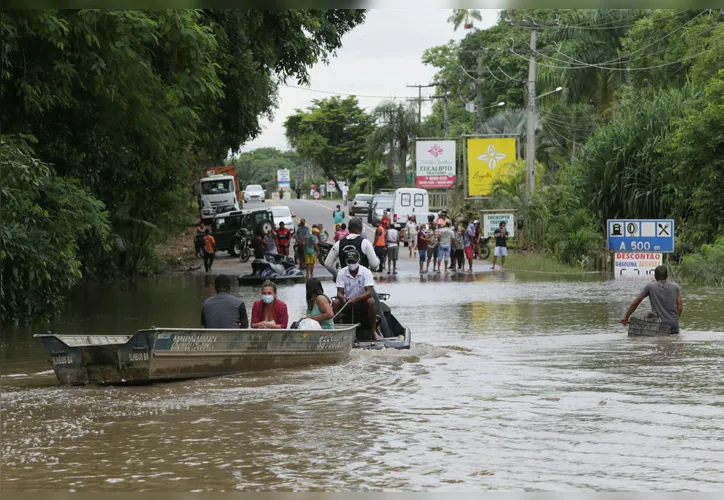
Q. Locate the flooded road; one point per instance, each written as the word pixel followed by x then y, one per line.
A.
pixel 514 382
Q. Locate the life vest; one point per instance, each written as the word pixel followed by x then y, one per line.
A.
pixel 380 240
pixel 357 244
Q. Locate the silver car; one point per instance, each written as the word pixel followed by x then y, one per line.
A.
pixel 360 204
pixel 254 192
pixel 283 214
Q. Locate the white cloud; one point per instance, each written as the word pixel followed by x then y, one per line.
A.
pixel 378 58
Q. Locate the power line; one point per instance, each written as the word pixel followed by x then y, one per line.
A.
pixel 347 94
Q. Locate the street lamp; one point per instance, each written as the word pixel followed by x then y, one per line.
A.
pixel 558 89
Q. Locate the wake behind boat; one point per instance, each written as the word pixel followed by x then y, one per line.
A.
pixel 160 354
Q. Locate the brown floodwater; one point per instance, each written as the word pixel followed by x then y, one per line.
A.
pixel 514 382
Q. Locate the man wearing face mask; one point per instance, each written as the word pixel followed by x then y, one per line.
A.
pixel 354 240
pixel 355 286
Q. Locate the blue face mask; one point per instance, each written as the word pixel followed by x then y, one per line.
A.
pixel 268 299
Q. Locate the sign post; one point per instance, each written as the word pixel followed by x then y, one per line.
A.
pixel 283 179
pixel 435 164
pixel 491 222
pixel 640 235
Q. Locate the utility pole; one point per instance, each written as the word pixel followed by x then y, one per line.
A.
pixel 530 147
pixel 445 122
pixel 479 86
pixel 419 101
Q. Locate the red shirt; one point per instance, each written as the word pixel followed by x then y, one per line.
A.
pixel 280 314
pixel 386 220
pixel 283 237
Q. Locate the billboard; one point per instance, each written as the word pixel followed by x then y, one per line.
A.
pixel 491 222
pixel 283 175
pixel 634 265
pixel 488 159
pixel 435 161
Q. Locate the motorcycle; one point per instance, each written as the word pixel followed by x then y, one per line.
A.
pixel 484 249
pixel 275 267
pixel 242 245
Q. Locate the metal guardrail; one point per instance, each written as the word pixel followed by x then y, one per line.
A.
pixel 437 201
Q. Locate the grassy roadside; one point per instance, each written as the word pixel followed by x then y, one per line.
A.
pixel 536 262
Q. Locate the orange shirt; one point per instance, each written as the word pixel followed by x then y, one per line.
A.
pixel 209 243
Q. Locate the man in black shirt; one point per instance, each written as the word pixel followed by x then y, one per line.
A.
pixel 224 310
pixel 501 245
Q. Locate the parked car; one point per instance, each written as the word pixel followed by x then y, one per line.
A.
pixel 254 192
pixel 379 204
pixel 283 214
pixel 360 204
pixel 225 226
pixel 409 201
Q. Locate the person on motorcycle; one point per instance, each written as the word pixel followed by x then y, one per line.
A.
pixel 355 287
pixel 354 240
pixel 283 237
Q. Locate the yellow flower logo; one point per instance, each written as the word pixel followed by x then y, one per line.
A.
pixel 492 157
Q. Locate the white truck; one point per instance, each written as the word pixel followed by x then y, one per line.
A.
pixel 218 194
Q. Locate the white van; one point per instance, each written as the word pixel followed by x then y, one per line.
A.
pixel 409 201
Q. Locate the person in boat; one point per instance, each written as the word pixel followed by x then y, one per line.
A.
pixel 665 299
pixel 269 312
pixel 355 240
pixel 355 287
pixel 319 306
pixel 224 310
pixel 284 237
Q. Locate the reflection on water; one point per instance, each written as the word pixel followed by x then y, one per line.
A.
pixel 513 382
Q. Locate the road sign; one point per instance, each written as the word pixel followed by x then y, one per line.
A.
pixel 640 235
pixel 283 176
pixel 636 264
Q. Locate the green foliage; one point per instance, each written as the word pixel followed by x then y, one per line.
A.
pixel 705 266
pixel 371 176
pixel 331 133
pixel 45 220
pixel 396 127
pixel 260 167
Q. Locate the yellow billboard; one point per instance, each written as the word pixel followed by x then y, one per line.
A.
pixel 488 159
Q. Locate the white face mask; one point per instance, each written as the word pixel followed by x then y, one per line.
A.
pixel 353 267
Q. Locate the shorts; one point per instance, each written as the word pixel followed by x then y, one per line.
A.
pixel 393 252
pixel 443 253
pixel 423 254
pixel 501 251
pixel 310 259
pixel 469 253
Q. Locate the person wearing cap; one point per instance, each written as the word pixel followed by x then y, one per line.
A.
pixel 355 286
pixel 224 310
pixel 355 240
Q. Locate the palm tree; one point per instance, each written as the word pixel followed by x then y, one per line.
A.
pixel 463 16
pixel 371 175
pixel 398 125
pixel 509 122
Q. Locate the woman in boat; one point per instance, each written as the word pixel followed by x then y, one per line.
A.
pixel 269 312
pixel 319 306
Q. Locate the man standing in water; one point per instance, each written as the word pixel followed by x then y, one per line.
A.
pixel 300 239
pixel 224 310
pixel 665 299
pixel 501 245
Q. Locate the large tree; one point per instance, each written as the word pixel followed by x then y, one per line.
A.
pixel 332 133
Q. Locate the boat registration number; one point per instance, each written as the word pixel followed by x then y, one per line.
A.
pixel 62 360
pixel 138 356
pixel 328 343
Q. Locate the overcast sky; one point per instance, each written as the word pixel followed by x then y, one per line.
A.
pixel 378 58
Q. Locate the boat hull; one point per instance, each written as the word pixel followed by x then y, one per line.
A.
pixel 175 353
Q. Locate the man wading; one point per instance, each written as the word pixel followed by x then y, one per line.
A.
pixel 665 299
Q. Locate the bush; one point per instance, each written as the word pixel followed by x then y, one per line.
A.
pixel 704 267
pixel 45 219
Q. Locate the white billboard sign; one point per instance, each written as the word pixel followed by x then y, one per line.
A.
pixel 491 222
pixel 635 265
pixel 283 176
pixel 436 165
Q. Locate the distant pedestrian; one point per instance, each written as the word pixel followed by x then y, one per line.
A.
pixel 476 239
pixel 468 241
pixel 411 231
pixel 209 250
pixel 432 248
pixel 270 242
pixel 322 190
pixel 345 194
pixel 445 237
pixel 393 249
pixel 380 244
pixel 311 252
pixel 422 244
pixel 338 215
pixel 341 233
pixel 299 193
pixel 457 248
pixel 283 239
pixel 300 239
pixel 665 299
pixel 386 218
pixel 501 245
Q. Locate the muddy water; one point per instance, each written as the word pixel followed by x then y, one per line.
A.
pixel 514 382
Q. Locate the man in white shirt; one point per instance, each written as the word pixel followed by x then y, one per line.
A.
pixel 345 193
pixel 364 248
pixel 393 249
pixel 355 287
